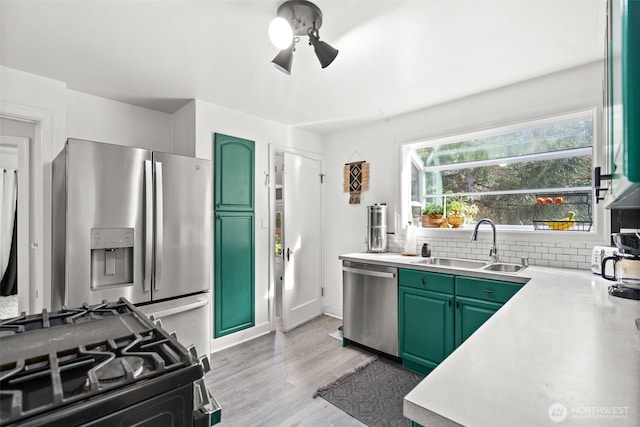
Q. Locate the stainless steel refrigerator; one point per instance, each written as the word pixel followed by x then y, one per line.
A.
pixel 134 223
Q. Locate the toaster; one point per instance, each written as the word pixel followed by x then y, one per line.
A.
pixel 598 254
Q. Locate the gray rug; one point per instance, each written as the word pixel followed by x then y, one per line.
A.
pixel 373 393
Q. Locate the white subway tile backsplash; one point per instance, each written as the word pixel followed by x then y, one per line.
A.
pixel 552 254
pixel 529 244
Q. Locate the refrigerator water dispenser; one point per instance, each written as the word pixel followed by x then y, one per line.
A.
pixel 111 257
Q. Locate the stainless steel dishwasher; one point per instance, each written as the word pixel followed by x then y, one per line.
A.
pixel 370 305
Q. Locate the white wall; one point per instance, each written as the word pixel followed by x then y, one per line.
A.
pixel 378 143
pixel 42 101
pixel 212 119
pixel 183 130
pixel 59 113
pixel 99 119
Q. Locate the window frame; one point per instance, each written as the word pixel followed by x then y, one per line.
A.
pixel 600 230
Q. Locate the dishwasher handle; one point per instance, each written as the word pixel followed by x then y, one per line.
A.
pixel 369 272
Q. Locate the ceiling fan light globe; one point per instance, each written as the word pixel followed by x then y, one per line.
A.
pixel 280 33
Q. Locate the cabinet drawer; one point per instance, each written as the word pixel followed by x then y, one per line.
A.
pixel 487 290
pixel 425 280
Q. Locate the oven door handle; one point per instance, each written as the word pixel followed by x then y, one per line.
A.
pixel 369 272
pixel 201 302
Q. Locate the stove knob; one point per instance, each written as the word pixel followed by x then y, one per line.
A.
pixel 173 334
pixel 204 361
pixel 158 323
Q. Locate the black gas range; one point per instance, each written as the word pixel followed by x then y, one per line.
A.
pixel 100 365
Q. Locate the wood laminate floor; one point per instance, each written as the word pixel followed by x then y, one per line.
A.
pixel 270 381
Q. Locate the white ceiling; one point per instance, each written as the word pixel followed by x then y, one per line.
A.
pixel 395 56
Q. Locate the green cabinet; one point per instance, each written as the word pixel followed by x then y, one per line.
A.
pixel 426 319
pixel 485 289
pixel 234 231
pixel 426 328
pixel 234 272
pixel 623 101
pixel 436 282
pixel 470 315
pixel 476 301
pixel 438 312
pixel 234 174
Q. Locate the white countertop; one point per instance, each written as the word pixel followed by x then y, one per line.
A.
pixel 562 351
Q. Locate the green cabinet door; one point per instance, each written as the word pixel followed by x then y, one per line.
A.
pixel 470 315
pixel 234 160
pixel 426 328
pixel 234 272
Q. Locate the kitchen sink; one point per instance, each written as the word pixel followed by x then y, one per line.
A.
pixel 452 262
pixel 504 267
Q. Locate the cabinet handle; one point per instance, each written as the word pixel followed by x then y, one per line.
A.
pixel 424 281
pixel 457 304
pixel 489 291
pixel 449 301
pixel 217 205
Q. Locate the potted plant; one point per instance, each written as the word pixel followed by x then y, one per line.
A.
pixel 432 215
pixel 460 210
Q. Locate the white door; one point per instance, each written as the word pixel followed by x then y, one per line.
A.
pixel 302 240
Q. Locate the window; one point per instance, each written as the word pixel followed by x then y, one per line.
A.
pixel 498 173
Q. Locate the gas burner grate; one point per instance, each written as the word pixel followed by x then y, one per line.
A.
pixel 44 320
pixel 40 376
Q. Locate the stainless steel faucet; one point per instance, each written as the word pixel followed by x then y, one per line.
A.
pixel 493 251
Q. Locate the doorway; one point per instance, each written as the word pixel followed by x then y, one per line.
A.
pixel 15 216
pixel 297 238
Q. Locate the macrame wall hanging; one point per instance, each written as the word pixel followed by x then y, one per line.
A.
pixel 356 180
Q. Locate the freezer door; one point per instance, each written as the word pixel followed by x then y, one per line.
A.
pixel 104 248
pixel 182 256
pixel 189 317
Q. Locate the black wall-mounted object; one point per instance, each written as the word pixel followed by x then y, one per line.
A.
pixel 598 177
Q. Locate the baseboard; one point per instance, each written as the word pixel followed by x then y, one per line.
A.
pixel 228 341
pixel 329 311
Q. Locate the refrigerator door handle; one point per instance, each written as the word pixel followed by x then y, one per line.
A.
pixel 148 224
pixel 200 302
pixel 159 226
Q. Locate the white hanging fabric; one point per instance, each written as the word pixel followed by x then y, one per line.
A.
pixel 8 195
